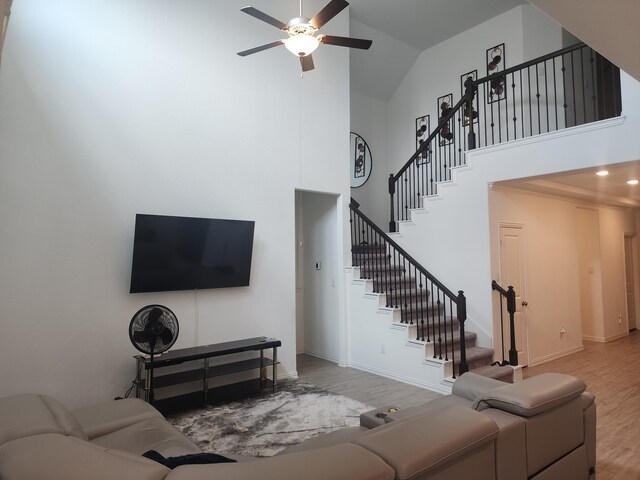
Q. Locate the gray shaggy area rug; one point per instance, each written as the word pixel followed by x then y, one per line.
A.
pixel 262 425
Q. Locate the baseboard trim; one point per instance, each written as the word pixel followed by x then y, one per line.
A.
pixel 287 376
pixel 383 373
pixel 590 338
pixel 555 356
pixel 610 338
pixel 320 355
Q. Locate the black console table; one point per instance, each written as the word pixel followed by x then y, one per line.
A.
pixel 202 370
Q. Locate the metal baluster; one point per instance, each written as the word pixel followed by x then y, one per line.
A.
pixel 513 96
pixel 538 98
pixel 453 350
pixel 593 83
pixel 546 96
pixel 392 191
pixel 521 105
pixel 555 92
pixel 439 326
pixel 529 102
pixel 584 100
pixel 573 86
pixel 500 118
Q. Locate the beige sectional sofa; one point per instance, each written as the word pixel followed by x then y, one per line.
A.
pixel 542 428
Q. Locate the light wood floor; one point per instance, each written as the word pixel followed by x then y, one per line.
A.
pixel 365 387
pixel 610 370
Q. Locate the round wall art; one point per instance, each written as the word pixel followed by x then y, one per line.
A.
pixel 360 160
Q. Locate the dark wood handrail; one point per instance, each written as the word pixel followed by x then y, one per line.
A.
pixel 530 63
pixel 354 206
pixel 488 78
pixel 425 145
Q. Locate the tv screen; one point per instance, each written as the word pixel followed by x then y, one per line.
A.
pixel 183 253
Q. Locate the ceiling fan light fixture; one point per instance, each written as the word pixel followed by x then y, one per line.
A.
pixel 301 44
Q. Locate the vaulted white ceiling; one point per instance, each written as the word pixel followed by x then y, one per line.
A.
pixel 402 29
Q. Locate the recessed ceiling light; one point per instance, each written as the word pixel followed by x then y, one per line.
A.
pixel 632 182
pixel 602 173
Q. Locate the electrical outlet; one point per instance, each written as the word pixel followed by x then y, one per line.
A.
pixel 619 319
pixel 562 331
pixel 383 348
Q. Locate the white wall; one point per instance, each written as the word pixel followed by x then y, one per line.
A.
pixel 112 108
pixel 590 273
pixel 453 238
pixel 437 72
pixel 321 308
pixel 527 33
pixel 368 119
pixel 574 264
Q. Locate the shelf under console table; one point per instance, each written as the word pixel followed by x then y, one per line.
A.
pixel 200 369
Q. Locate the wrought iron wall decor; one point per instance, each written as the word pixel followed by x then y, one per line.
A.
pixel 445 104
pixel 496 89
pixel 361 161
pixel 423 129
pixel 471 113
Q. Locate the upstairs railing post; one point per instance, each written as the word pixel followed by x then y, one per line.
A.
pixel 392 192
pixel 470 90
pixel 511 308
pixel 462 316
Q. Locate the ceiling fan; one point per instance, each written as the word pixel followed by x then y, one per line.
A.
pixel 301 30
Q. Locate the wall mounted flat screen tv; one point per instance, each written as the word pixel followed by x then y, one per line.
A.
pixel 184 253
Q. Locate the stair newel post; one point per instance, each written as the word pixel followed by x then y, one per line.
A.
pixel 470 90
pixel 392 192
pixel 462 316
pixel 511 308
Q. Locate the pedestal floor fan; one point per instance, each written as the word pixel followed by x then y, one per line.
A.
pixel 153 330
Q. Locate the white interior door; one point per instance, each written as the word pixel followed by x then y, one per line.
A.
pixel 513 273
pixel 629 281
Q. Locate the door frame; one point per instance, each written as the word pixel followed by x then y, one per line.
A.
pixel 634 253
pixel 525 281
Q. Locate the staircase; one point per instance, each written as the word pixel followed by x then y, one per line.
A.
pixel 510 104
pixel 417 303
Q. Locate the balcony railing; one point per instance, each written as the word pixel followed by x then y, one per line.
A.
pixel 569 87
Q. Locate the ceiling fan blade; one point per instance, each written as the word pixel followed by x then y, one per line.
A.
pixel 307 63
pixel 330 10
pixel 345 41
pixel 254 12
pixel 261 48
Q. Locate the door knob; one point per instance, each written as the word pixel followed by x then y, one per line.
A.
pixel 525 303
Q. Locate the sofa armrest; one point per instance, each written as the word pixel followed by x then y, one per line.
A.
pixel 340 462
pixel 59 457
pixel 534 395
pixel 471 385
pixel 105 418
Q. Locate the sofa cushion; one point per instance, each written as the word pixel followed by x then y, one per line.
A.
pixel 339 462
pixel 433 442
pixel 58 457
pixel 534 395
pixel 99 420
pixel 342 435
pixel 431 406
pixel 151 434
pixel 31 414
